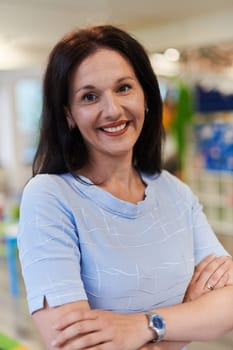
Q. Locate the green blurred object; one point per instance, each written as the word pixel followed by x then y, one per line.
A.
pixel 15 212
pixel 2 245
pixel 183 117
pixel 8 343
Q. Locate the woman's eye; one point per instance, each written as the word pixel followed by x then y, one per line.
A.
pixel 124 88
pixel 90 97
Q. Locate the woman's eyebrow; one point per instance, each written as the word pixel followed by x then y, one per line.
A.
pixel 92 87
pixel 125 78
pixel 85 87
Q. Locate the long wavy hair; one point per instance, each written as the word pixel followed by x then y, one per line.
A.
pixel 62 150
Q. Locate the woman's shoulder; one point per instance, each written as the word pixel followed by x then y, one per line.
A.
pixel 50 183
pixel 171 185
pixel 172 180
pixel 164 177
pixel 42 180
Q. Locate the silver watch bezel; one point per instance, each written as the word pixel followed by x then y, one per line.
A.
pixel 160 333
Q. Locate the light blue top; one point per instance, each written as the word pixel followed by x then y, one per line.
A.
pixel 77 241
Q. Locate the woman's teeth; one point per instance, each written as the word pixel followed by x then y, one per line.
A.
pixel 115 128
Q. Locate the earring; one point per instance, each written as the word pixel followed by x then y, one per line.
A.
pixel 146 110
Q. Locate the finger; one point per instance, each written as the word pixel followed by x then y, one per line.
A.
pixel 217 275
pixel 211 269
pixel 76 330
pixel 202 265
pixel 223 281
pixel 88 341
pixel 73 317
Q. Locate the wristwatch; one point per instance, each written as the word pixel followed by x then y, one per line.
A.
pixel 158 324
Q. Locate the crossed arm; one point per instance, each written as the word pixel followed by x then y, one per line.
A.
pixel 75 326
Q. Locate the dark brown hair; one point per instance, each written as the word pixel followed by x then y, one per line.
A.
pixel 61 150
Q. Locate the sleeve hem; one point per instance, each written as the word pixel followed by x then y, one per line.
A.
pixel 37 303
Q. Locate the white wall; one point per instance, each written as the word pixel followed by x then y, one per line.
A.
pixel 16 173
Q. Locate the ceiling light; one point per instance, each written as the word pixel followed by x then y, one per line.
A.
pixel 10 57
pixel 163 66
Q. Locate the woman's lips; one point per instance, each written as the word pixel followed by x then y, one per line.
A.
pixel 115 129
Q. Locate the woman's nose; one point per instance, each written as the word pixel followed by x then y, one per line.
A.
pixel 111 106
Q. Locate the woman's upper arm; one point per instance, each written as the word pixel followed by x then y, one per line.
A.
pixel 48 316
pixel 205 240
pixel 48 244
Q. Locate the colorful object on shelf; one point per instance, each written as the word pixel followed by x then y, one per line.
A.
pixel 215 144
pixel 212 101
pixel 11 255
pixel 8 343
pixel 8 250
pixel 183 117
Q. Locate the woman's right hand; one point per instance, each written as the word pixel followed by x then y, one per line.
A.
pixel 211 273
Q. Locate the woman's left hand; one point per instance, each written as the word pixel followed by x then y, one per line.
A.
pixel 95 329
pixel 211 273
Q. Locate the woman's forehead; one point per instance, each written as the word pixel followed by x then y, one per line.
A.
pixel 104 64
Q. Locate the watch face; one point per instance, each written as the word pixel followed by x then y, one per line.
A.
pixel 158 322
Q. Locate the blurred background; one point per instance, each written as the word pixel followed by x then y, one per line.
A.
pixel 191 49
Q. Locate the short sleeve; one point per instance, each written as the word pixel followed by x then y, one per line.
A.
pixel 48 246
pixel 205 240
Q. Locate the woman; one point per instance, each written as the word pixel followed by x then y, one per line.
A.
pixel 105 235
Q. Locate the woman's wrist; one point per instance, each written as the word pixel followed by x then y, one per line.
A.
pixel 164 345
pixel 146 332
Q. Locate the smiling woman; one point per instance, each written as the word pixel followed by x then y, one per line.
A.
pixel 116 253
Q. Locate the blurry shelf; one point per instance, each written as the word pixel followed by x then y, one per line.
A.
pixel 214 188
pixel 222 228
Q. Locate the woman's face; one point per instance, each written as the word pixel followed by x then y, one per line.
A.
pixel 107 104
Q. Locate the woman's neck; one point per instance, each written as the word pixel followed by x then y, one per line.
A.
pixel 120 179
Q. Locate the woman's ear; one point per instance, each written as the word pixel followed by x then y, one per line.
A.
pixel 69 118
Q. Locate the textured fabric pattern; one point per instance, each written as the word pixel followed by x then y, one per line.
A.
pixel 78 242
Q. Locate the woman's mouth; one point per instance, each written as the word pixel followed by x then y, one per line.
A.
pixel 115 128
